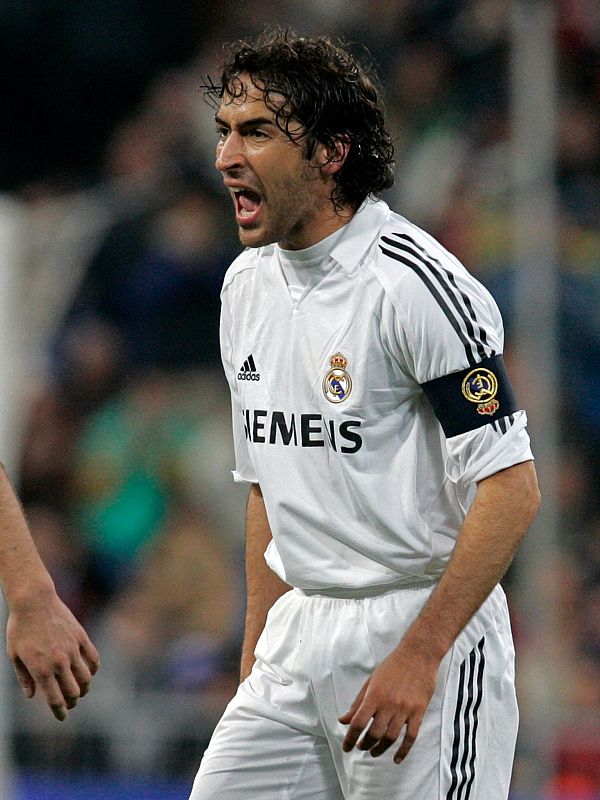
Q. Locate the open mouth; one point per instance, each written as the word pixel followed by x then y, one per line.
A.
pixel 247 205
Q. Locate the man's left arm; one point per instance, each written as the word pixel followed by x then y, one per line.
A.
pixel 48 647
pixel 399 690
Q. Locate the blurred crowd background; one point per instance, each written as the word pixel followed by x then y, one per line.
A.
pixel 125 450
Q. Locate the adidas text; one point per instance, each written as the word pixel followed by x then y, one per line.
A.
pixel 248 376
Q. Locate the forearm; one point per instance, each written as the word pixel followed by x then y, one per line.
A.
pixel 263 587
pixel 21 568
pixel 502 511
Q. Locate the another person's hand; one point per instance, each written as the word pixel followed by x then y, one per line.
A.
pixel 395 695
pixel 50 651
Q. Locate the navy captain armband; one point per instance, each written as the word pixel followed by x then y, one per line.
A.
pixel 476 396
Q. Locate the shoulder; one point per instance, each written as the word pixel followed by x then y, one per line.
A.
pixel 244 267
pixel 405 252
pixel 412 264
pixel 430 295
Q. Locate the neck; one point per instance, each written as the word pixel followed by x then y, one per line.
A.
pixel 318 228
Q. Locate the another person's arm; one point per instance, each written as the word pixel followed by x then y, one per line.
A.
pixel 399 690
pixel 49 649
pixel 263 587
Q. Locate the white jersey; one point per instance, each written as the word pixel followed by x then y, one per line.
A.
pixel 368 408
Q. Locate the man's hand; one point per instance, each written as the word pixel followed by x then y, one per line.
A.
pixel 49 649
pixel 396 694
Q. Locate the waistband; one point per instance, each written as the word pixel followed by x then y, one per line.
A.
pixel 344 593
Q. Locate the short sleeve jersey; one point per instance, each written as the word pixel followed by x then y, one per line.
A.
pixel 368 409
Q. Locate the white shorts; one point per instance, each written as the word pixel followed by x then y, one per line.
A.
pixel 280 739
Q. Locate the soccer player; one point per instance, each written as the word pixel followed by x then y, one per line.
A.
pixel 49 649
pixel 390 471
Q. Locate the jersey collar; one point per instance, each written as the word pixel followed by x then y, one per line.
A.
pixel 360 233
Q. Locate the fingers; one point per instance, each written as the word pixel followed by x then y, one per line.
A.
pixel 61 680
pixel 72 679
pixel 69 685
pixel 375 736
pixel 347 717
pixel 54 693
pixel 90 654
pixel 62 689
pixel 86 667
pixel 24 678
pixel 83 676
pixel 384 730
pixel 410 736
pixel 357 724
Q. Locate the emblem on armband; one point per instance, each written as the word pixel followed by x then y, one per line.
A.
pixel 337 384
pixel 480 386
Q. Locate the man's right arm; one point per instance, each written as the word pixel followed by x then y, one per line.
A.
pixel 263 586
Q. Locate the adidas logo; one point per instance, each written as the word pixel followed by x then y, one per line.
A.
pixel 248 370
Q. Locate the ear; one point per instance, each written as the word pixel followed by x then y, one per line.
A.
pixel 331 159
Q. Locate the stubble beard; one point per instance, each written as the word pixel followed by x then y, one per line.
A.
pixel 291 208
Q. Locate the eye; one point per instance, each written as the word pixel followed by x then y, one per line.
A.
pixel 258 134
pixel 222 132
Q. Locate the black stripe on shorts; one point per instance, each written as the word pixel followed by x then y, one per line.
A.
pixel 466 722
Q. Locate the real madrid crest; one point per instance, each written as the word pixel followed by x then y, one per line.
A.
pixel 480 386
pixel 337 384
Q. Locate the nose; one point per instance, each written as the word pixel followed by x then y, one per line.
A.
pixel 230 152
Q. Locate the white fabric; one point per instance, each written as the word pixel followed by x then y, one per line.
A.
pixel 280 738
pixel 303 269
pixel 366 491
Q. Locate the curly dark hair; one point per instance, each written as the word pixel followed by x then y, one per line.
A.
pixel 327 90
